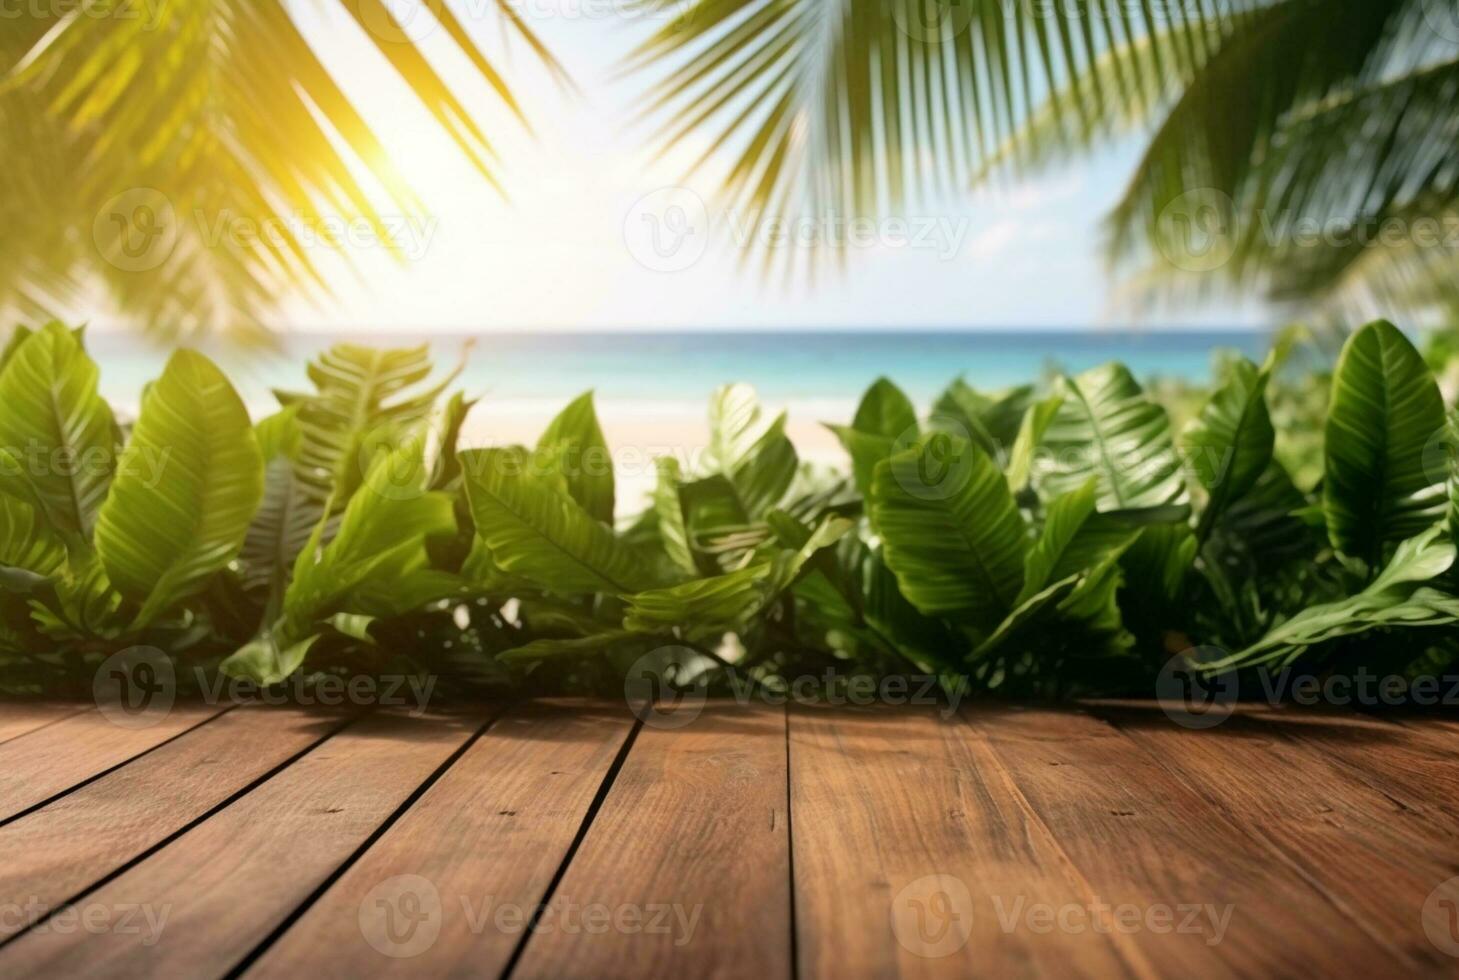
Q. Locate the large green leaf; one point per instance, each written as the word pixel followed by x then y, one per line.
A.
pixel 1397 598
pixel 362 391
pixel 1106 428
pixel 377 562
pixel 57 429
pixel 1385 409
pixel 884 416
pixel 535 530
pixel 1036 421
pixel 950 529
pixel 573 446
pixel 669 508
pixel 705 608
pixel 187 486
pixel 992 422
pixel 26 541
pixel 1076 537
pixel 1228 446
pixel 766 471
pixel 885 410
pixel 756 457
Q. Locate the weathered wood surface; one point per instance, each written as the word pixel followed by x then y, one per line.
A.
pixel 571 839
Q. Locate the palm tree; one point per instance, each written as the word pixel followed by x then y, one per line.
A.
pixel 131 129
pixel 1301 149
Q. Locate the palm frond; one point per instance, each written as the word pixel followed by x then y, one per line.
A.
pixel 204 141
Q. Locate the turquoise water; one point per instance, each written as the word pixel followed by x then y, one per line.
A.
pixel 659 370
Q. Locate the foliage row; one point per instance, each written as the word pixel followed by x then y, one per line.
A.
pixel 1031 543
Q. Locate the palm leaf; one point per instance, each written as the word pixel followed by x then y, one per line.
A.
pixel 234 117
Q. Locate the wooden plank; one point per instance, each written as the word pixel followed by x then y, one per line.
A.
pixel 685 869
pixel 493 830
pixel 19 717
pixel 214 894
pixel 52 759
pixel 1307 809
pixel 54 853
pixel 908 846
pixel 1137 835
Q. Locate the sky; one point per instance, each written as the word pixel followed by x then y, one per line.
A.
pixel 593 234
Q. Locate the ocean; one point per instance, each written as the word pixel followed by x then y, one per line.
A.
pixel 659 373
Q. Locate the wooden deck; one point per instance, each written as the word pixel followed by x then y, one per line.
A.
pixel 572 840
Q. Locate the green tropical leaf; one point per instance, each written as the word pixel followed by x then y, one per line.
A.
pixel 705 608
pixel 187 486
pixel 1229 445
pixel 950 529
pixel 535 530
pixel 1076 537
pixel 885 410
pixel 1385 410
pixel 669 507
pixel 883 416
pixel 765 472
pixel 990 422
pixel 1036 421
pixel 363 393
pixel 573 446
pixel 1397 598
pixel 575 646
pixel 264 661
pixel 26 541
pixel 1106 428
pixel 57 429
pixel 378 562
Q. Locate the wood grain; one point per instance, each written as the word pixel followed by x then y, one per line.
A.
pixel 220 889
pixel 491 832
pixel 1136 834
pixel 37 766
pixel 52 854
pixel 909 843
pixel 685 870
pixel 1309 809
pixel 19 717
